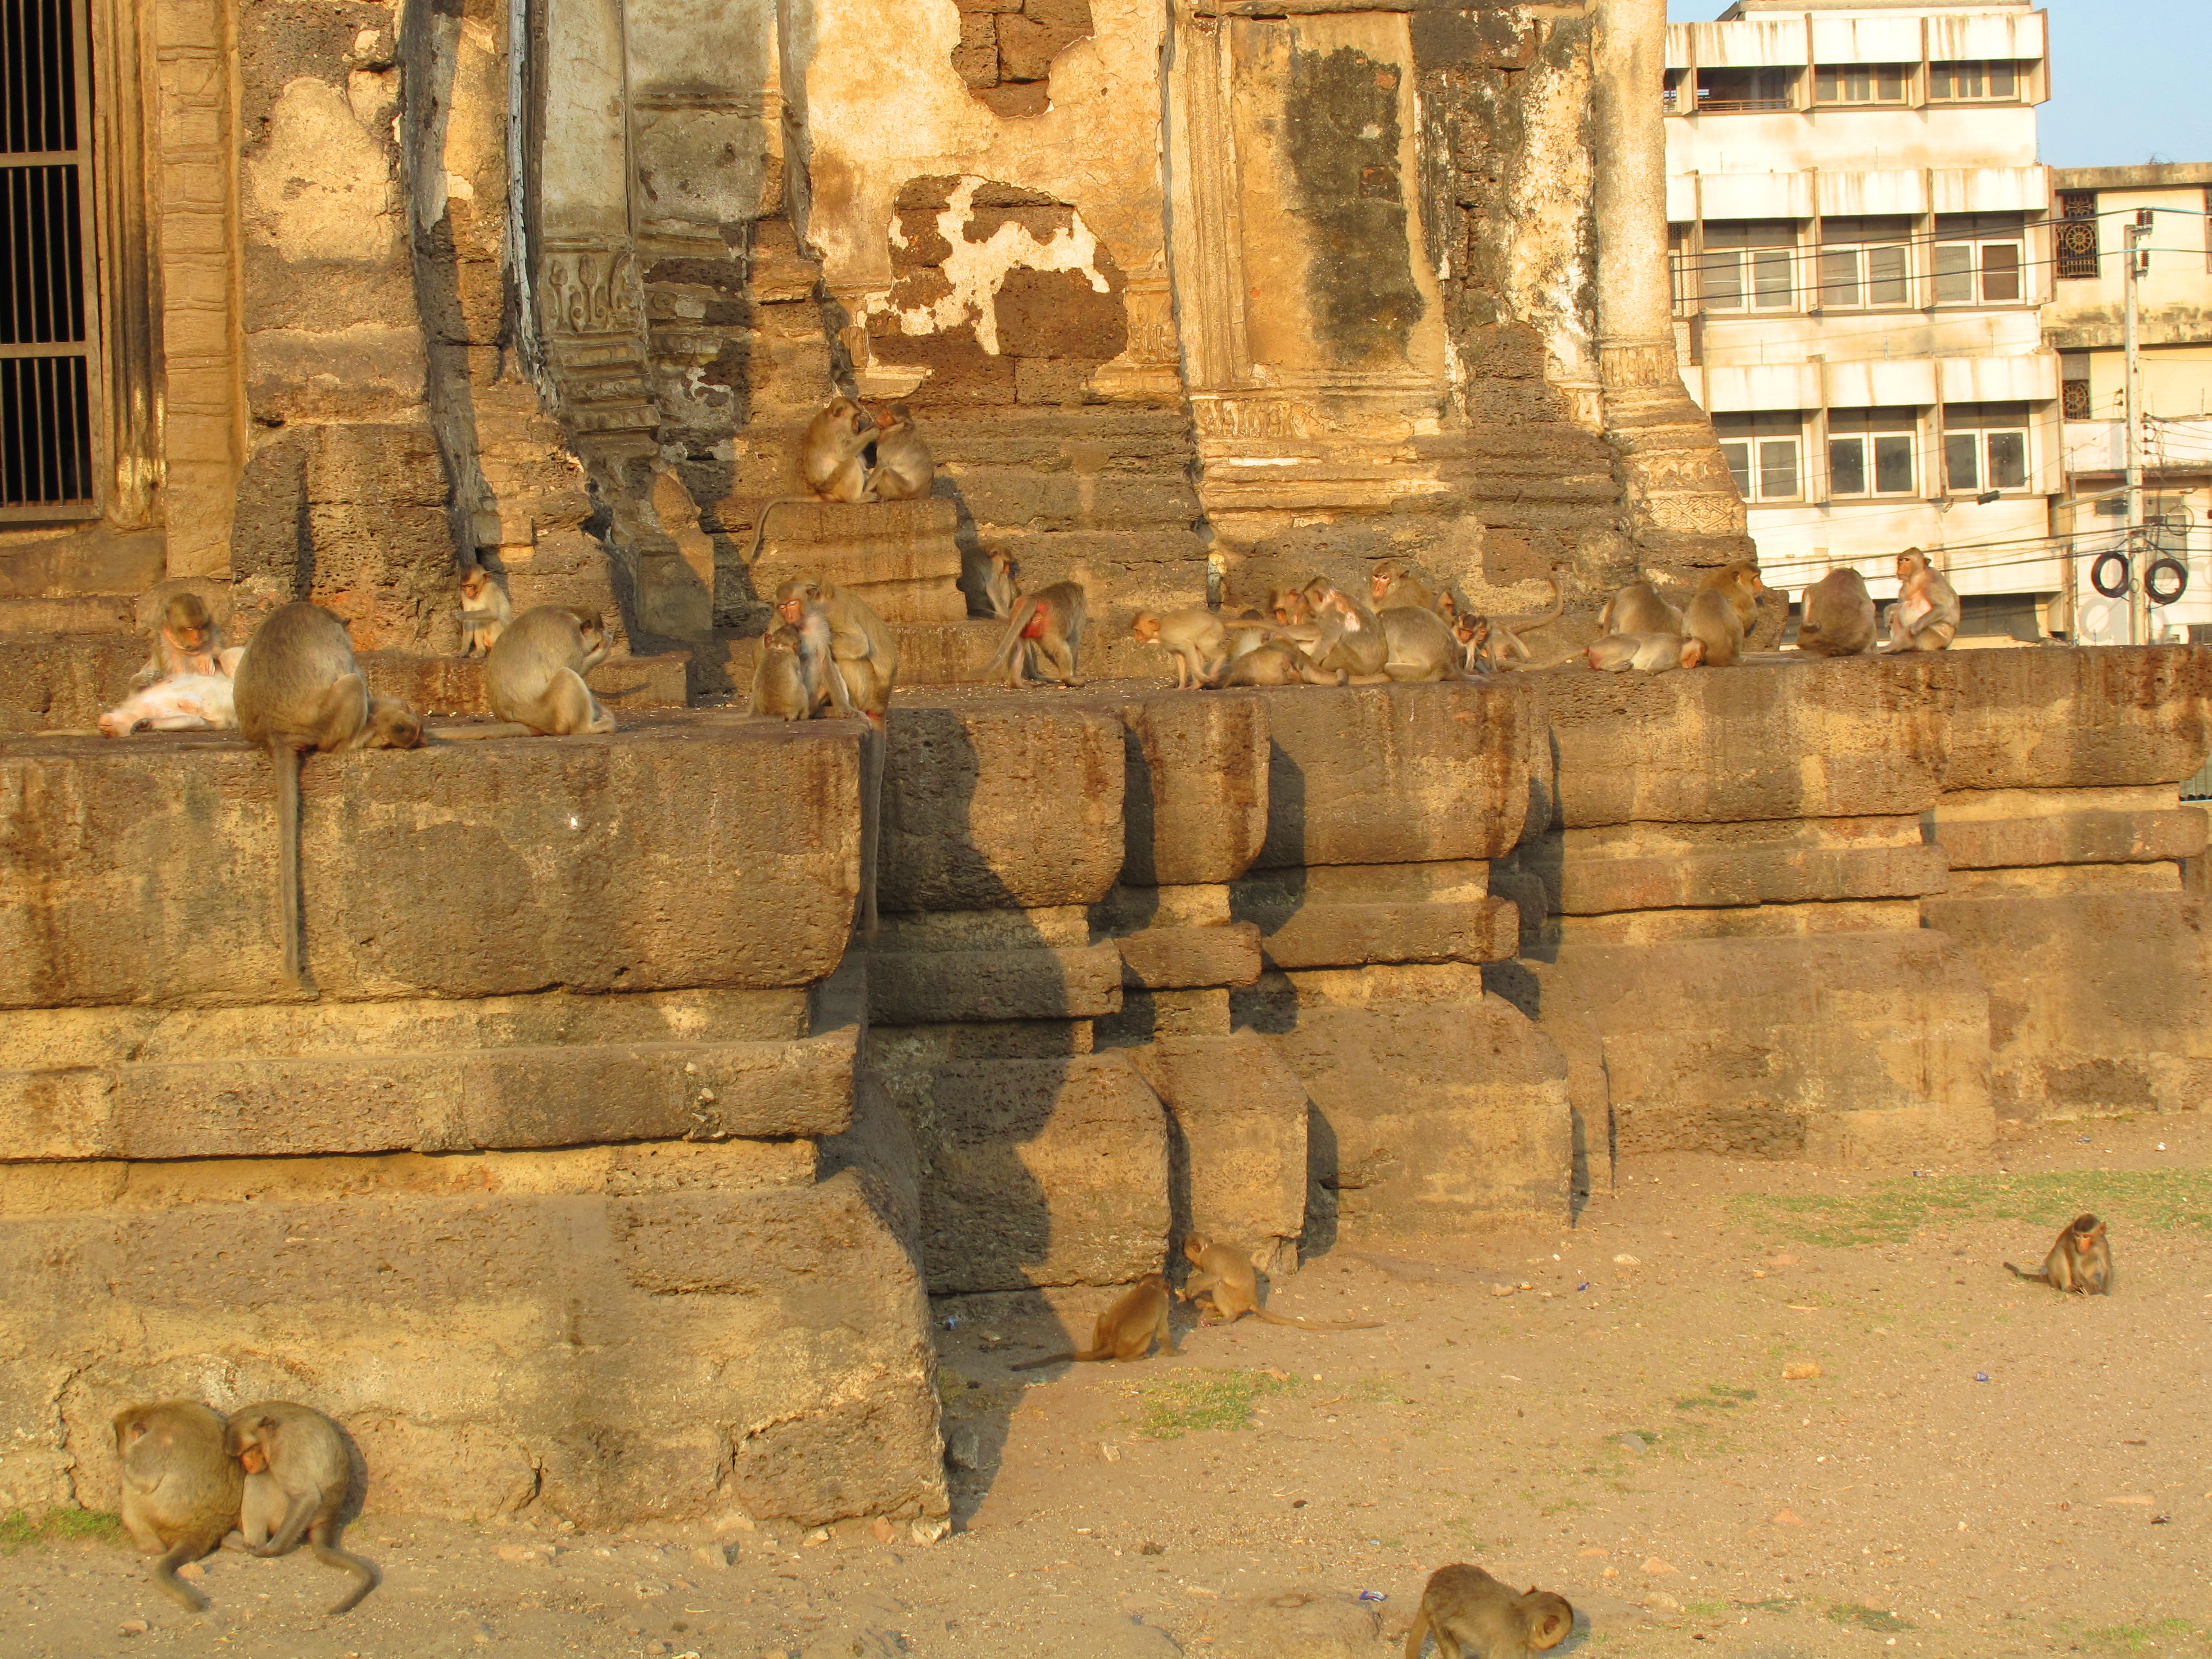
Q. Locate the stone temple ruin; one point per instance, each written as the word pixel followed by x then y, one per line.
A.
pixel 610 1174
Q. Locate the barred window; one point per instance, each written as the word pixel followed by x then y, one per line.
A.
pixel 49 322
pixel 2077 235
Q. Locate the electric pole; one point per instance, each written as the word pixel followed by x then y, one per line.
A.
pixel 2138 554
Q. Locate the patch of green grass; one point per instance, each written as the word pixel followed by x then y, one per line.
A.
pixel 1707 1609
pixel 1171 1407
pixel 56 1526
pixel 2159 1201
pixel 1865 1618
pixel 2136 1638
pixel 1717 1397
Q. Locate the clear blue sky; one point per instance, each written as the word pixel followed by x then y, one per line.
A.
pixel 2130 79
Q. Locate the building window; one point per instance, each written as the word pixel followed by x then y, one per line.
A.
pixel 1731 91
pixel 1974 84
pixel 48 323
pixel 1862 83
pixel 1865 262
pixel 1984 447
pixel 1980 258
pixel 1764 452
pixel 2076 229
pixel 2073 387
pixel 1870 452
pixel 1749 265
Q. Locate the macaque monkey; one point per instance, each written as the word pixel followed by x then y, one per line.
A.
pixel 297 1474
pixel 1473 1616
pixel 1289 607
pixel 863 655
pixel 1393 586
pixel 999 591
pixel 183 703
pixel 1043 635
pixel 904 469
pixel 1647 654
pixel 1422 646
pixel 485 612
pixel 1926 616
pixel 1740 583
pixel 1839 619
pixel 1276 662
pixel 298 688
pixel 186 640
pixel 1194 637
pixel 1638 609
pixel 1246 633
pixel 1472 633
pixel 832 459
pixel 2081 1261
pixel 1125 1330
pixel 534 674
pixel 1352 648
pixel 791 681
pixel 1711 621
pixel 1507 648
pixel 1226 1278
pixel 181 1489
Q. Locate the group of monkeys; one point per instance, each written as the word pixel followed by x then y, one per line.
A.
pixel 295 687
pixel 262 1480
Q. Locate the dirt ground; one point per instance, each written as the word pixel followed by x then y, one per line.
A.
pixel 1981 1466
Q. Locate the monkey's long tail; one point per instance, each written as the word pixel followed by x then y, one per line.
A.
pixel 760 529
pixel 287 760
pixel 1274 1318
pixel 1417 1637
pixel 2039 1277
pixel 1054 1359
pixel 165 1575
pixel 1009 650
pixel 365 1576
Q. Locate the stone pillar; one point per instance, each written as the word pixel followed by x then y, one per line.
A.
pixel 1635 311
pixel 1687 513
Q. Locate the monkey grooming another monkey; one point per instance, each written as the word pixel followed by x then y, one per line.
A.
pixel 1473 1616
pixel 1125 1330
pixel 1647 654
pixel 297 1475
pixel 1392 585
pixel 1422 646
pixel 1275 662
pixel 2081 1261
pixel 534 675
pixel 185 642
pixel 181 1488
pixel 1044 633
pixel 1638 609
pixel 863 653
pixel 1195 638
pixel 1711 621
pixel 1839 619
pixel 998 590
pixel 904 469
pixel 1927 614
pixel 1741 585
pixel 832 460
pixel 1289 607
pixel 1226 1277
pixel 298 688
pixel 485 612
pixel 1352 648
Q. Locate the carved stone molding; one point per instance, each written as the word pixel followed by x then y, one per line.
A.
pixel 590 289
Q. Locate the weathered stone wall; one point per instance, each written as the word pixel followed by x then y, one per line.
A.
pixel 1857 910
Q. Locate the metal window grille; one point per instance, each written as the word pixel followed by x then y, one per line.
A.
pixel 2074 397
pixel 49 315
pixel 2077 233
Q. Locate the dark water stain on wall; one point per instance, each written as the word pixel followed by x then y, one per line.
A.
pixel 1342 132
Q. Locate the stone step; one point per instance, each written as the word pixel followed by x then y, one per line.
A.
pixel 98 563
pixel 900 556
pixel 75 613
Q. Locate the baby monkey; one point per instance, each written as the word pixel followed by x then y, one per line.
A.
pixel 1125 1330
pixel 297 1475
pixel 1473 1616
pixel 2081 1261
pixel 1227 1278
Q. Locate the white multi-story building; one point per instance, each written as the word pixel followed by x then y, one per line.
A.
pixel 2084 323
pixel 1862 250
